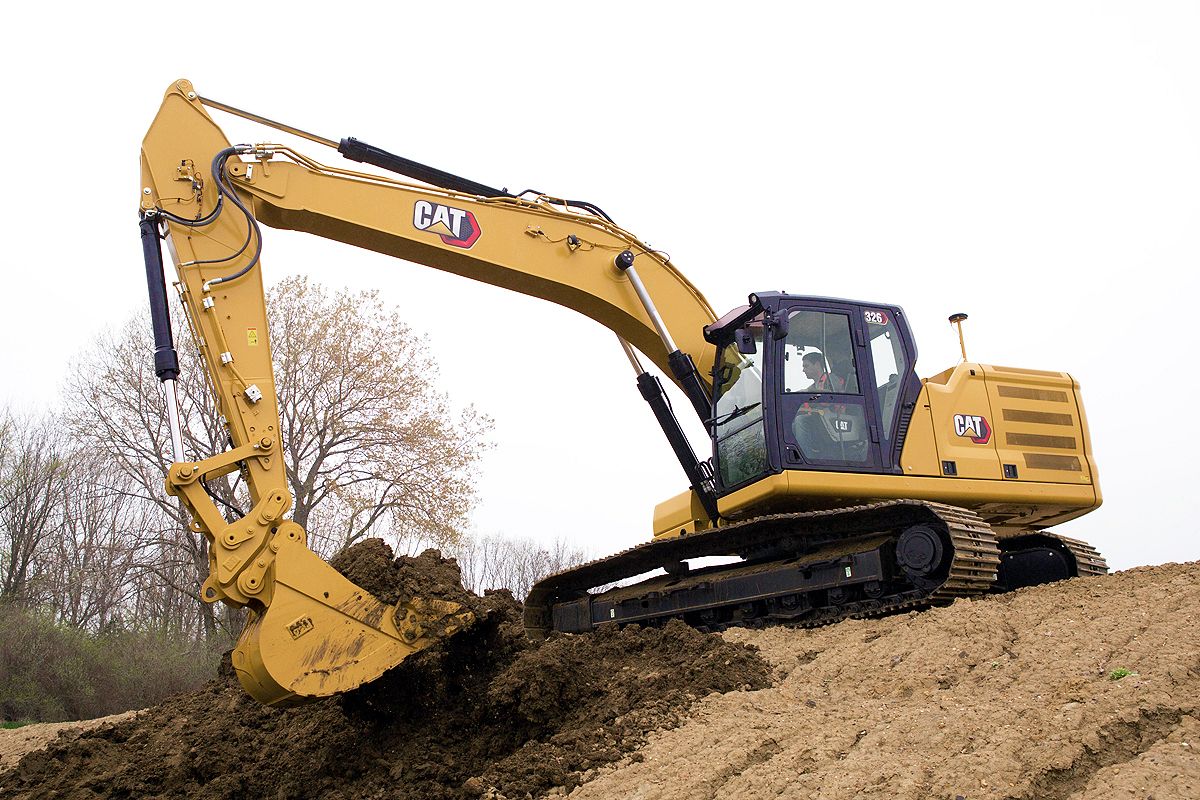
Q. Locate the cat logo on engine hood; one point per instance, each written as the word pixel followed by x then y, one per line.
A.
pixel 973 426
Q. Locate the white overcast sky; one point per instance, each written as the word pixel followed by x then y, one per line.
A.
pixel 1036 165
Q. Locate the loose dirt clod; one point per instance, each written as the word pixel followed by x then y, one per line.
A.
pixel 398 580
pixel 484 714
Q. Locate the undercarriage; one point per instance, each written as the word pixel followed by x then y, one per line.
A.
pixel 808 569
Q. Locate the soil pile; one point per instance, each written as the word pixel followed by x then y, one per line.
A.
pixel 486 714
pixel 1082 690
pixel 16 742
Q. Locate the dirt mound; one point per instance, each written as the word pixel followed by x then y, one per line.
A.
pixel 1082 690
pixel 486 713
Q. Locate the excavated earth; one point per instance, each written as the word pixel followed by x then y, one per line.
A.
pixel 485 714
pixel 1083 690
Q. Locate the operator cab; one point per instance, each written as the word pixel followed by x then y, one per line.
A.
pixel 810 383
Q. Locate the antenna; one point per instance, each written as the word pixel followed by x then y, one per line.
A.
pixel 957 320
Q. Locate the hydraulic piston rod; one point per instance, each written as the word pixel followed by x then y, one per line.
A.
pixel 682 365
pixel 166 360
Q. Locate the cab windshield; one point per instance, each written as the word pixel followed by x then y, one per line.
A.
pixel 741 446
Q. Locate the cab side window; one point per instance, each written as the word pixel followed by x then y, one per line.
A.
pixel 741 444
pixel 828 421
pixel 818 355
pixel 887 355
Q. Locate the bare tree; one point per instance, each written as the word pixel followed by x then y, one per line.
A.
pixel 513 563
pixel 113 408
pixel 91 563
pixel 371 448
pixel 32 470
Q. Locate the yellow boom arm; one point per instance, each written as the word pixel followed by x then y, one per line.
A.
pixel 311 631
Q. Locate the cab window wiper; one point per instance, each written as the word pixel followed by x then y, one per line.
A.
pixel 738 411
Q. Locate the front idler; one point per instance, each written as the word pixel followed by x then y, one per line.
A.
pixel 920 552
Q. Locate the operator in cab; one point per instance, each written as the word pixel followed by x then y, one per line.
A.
pixel 813 364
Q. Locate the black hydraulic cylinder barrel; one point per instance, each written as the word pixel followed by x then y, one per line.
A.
pixel 355 150
pixel 652 392
pixel 681 364
pixel 684 370
pixel 166 361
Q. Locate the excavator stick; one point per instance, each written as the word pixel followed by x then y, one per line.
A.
pixel 311 632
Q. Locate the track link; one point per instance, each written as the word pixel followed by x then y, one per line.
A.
pixel 976 555
pixel 1088 560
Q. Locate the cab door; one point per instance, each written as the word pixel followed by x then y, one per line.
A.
pixel 827 412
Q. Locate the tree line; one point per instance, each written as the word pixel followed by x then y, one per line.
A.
pixel 90 540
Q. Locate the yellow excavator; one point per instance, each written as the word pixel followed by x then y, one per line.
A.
pixel 842 483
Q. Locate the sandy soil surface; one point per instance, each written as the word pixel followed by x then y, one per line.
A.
pixel 1013 696
pixel 16 742
pixel 1084 690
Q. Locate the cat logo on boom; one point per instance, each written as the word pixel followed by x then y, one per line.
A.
pixel 973 426
pixel 456 227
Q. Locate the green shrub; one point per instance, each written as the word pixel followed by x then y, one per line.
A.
pixel 51 673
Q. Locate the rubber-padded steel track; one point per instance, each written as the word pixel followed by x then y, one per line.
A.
pixel 969 567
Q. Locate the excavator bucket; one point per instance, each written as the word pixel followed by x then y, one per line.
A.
pixel 322 634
